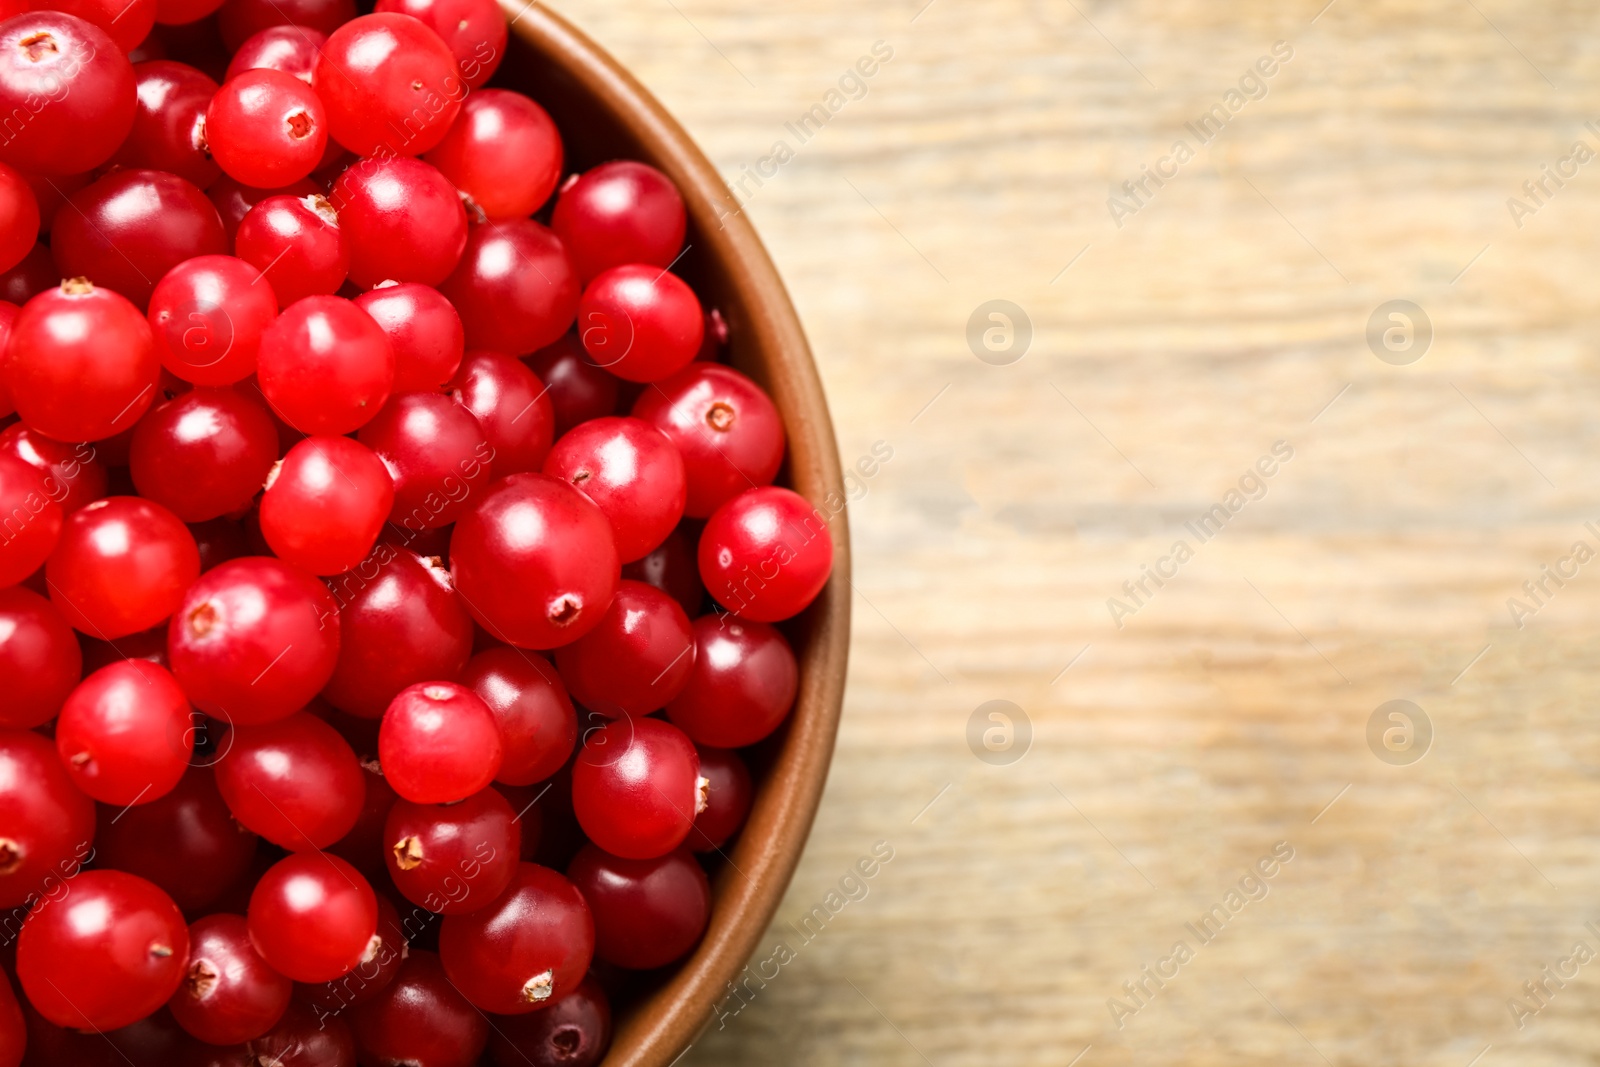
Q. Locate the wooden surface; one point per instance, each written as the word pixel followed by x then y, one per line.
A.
pixel 1231 710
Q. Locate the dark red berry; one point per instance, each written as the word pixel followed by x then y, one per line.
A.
pixel 46 824
pixel 19 217
pixel 40 661
pixel 617 213
pixel 296 243
pixel 290 49
pixel 204 454
pixel 420 1020
pixel 729 793
pixel 294 781
pixel 124 733
pixel 575 1031
pixel 531 945
pixel 453 858
pixel 423 329
pixel 672 568
pixel 511 405
pixel 233 201
pixel 239 19
pixel 33 526
pixel 403 219
pixel 538 726
pixel 437 454
pixel 638 658
pixel 475 30
pixel 742 686
pixel 313 917
pixel 61 62
pixel 515 287
pixel 636 787
pixel 631 471
pixel 579 390
pixel 228 994
pixel 169 127
pixel 647 913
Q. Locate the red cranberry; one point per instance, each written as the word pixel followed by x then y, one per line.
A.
pixel 19 217
pixel 647 913
pixel 228 994
pixel 515 287
pixel 503 151
pixel 204 454
pixel 33 521
pixel 169 127
pixel 390 84
pixel 439 743
pixel 290 49
pixel 403 219
pixel 672 568
pixel 234 201
pixel 534 561
pixel 638 658
pixel 743 683
pixel 420 1020
pixel 511 405
pixel 531 945
pixel 325 366
pixel 636 787
pixel 125 23
pixel 132 226
pixel 294 781
pixel 631 471
pixel 370 977
pixel 104 955
pixel 240 19
pixel 123 734
pixel 61 62
pixel 35 274
pixel 69 474
pixel 40 661
pixel 254 640
pixel 297 244
pixel 207 316
pixel 312 917
pixel 617 213
pixel 729 793
pixel 579 390
pixel 538 725
pixel 640 322
pixel 453 858
pixel 437 454
pixel 766 554
pixel 266 128
pixel 423 329
pixel 325 504
pixel 475 30
pixel 48 825
pixel 121 566
pixel 575 1031
pixel 400 623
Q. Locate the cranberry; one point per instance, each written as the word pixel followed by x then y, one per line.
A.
pixel 207 316
pixel 743 684
pixel 579 390
pixel 531 945
pixel 325 504
pixel 439 743
pixel 503 151
pixel 35 274
pixel 638 658
pixel 511 405
pixel 48 825
pixel 620 212
pixel 403 219
pixel 420 1020
pixel 186 842
pixel 19 217
pixel 437 454
pixel 60 62
pixel 240 19
pixel 80 363
pixel 234 201
pixel 636 787
pixel 70 474
pixel 266 128
pixel 534 561
pixel 169 127
pixel 40 661
pixel 538 725
pixel 424 331
pixel 121 566
pixel 228 994
pixel 325 366
pixel 132 226
pixel 724 425
pixel 204 454
pixel 400 623
pixel 575 1031
pixel 453 858
pixel 254 640
pixel 766 554
pixel 390 84
pixel 104 955
pixel 126 23
pixel 370 977
pixel 647 913
pixel 631 471
pixel 639 322
pixel 123 734
pixel 475 30
pixel 515 287
pixel 312 917
pixel 294 781
pixel 729 793
pixel 33 521
pixel 297 244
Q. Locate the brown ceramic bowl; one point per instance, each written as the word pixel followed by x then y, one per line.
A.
pixel 605 114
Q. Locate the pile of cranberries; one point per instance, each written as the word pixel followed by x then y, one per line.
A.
pixel 388 563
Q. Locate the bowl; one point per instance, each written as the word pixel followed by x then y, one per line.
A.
pixel 603 114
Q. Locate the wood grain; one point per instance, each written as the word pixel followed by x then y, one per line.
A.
pixel 1227 314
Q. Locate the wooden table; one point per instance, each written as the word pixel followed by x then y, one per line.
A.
pixel 1230 709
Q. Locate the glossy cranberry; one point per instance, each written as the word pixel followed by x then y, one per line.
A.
pixel 538 726
pixel 290 49
pixel 33 521
pixel 40 661
pixel 766 554
pixel 647 913
pixel 531 945
pixel 70 474
pixel 631 471
pixel 620 212
pixel 423 329
pixel 511 405
pixel 403 219
pixel 266 128
pixel 126 23
pixel 437 454
pixel 579 390
pixel 640 322
pixel 453 858
pixel 636 660
pixel 743 684
pixel 390 84
pixel 636 787
pixel 325 504
pixel 420 1020
pixel 129 228
pixel 726 428
pixel 515 287
pixel 123 734
pixel 240 19
pixel 325 366
pixel 297 244
pixel 369 977
pixel 475 30
pixel 234 201
pixel 671 567
pixel 46 824
pixel 169 127
pixel 729 793
pixel 228 994
pixel 19 217
pixel 294 781
pixel 439 743
pixel 575 1031
pixel 80 363
pixel 121 566
pixel 254 640
pixel 400 623
pixel 503 151
pixel 60 62
pixel 304 1037
pixel 186 842
pixel 312 917
pixel 205 453
pixel 534 561
pixel 104 955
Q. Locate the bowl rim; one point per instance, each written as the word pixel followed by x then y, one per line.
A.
pixel 751 884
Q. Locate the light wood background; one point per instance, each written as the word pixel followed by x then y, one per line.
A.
pixel 1226 716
